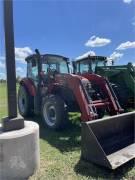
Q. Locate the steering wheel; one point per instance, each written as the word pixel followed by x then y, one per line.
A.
pixel 52 71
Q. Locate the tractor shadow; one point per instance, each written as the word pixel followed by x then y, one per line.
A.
pixel 97 172
pixel 65 140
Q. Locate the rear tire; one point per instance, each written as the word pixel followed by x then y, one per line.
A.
pixel 54 113
pixel 25 102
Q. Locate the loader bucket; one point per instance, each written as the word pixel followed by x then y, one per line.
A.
pixel 109 142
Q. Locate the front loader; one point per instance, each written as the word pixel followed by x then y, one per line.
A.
pixel 50 90
pixel 112 138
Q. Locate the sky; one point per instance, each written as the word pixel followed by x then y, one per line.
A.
pixel 73 28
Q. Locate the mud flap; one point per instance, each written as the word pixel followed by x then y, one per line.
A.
pixel 109 142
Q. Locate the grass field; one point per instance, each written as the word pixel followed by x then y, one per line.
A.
pixel 3 100
pixel 60 154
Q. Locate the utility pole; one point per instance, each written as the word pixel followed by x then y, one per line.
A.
pixel 10 58
pixel 8 124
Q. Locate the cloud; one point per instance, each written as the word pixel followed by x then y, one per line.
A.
pixel 2 76
pixel 89 53
pixel 19 70
pixel 127 1
pixel 126 45
pixel 2 65
pixel 2 58
pixel 115 56
pixel 22 53
pixel 97 42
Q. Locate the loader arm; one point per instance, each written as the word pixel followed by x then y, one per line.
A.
pixel 75 83
pixel 112 103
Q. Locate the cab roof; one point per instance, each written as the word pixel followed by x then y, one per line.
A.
pixel 45 56
pixel 101 58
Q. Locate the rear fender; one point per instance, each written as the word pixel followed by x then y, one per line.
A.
pixel 29 85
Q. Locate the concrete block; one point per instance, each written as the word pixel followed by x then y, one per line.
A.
pixel 12 124
pixel 19 152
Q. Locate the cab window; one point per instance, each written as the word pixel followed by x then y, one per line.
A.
pixel 32 70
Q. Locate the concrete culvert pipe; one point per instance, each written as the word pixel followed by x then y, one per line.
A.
pixel 19 152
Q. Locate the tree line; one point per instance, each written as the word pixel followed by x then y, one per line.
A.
pixel 18 78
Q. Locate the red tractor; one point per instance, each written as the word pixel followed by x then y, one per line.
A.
pixel 50 90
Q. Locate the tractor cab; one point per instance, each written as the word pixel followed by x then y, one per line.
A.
pixel 89 64
pixel 45 66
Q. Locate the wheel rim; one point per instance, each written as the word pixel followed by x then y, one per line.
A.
pixel 22 103
pixel 49 114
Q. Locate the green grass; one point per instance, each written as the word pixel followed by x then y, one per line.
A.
pixel 60 154
pixel 60 158
pixel 3 100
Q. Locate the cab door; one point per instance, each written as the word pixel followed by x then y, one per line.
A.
pixel 32 71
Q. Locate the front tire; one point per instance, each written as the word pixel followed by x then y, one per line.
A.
pixel 54 113
pixel 24 102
